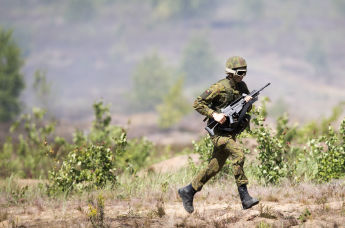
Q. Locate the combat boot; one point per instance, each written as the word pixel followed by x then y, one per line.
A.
pixel 247 200
pixel 187 194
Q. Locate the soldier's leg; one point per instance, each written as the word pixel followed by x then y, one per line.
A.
pixel 219 156
pixel 237 160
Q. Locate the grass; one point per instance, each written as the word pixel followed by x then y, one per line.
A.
pixel 151 199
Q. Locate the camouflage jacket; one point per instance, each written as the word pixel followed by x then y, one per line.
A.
pixel 219 95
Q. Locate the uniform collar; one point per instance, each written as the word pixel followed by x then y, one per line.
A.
pixel 232 82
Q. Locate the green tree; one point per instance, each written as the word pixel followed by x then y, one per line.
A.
pixel 198 61
pixel 11 80
pixel 174 106
pixel 151 81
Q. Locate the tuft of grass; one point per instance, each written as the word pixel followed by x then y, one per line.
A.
pixel 96 213
pixel 263 224
pixel 159 211
pixel 266 212
pixel 306 214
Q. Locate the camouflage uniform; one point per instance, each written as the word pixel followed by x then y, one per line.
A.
pixel 212 100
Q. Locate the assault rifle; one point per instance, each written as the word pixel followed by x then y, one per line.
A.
pixel 235 112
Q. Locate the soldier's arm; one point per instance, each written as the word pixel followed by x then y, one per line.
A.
pixel 203 103
pixel 246 91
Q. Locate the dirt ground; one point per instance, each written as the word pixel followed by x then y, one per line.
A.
pixel 217 205
pixel 171 214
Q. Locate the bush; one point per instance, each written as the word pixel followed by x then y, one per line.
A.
pixel 84 168
pixel 272 149
pixel 27 152
pixel 130 154
pixel 330 160
pixel 99 156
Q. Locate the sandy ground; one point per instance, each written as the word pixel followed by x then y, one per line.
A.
pixel 172 214
pixel 217 205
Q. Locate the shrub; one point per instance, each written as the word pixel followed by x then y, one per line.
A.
pixel 99 157
pixel 331 160
pixel 84 168
pixel 26 152
pixel 272 149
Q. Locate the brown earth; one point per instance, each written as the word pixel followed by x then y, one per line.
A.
pixel 223 213
pixel 217 205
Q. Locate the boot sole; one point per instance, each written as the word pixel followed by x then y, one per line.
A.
pixel 256 203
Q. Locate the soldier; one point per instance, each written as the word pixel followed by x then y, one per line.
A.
pixel 209 103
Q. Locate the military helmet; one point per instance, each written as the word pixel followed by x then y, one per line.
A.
pixel 235 62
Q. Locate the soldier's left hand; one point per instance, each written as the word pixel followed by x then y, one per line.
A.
pixel 248 98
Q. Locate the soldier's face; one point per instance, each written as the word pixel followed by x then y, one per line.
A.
pixel 240 73
pixel 238 78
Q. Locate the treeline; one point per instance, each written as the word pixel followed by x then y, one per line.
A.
pixel 156 85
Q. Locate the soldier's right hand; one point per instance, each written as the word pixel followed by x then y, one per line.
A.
pixel 219 117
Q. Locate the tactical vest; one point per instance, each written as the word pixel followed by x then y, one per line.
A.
pixel 229 92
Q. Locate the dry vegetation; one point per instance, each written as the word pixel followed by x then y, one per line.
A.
pixel 152 201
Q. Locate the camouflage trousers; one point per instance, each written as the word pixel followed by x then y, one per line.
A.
pixel 224 146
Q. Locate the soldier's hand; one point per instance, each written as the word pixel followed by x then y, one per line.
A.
pixel 219 117
pixel 248 98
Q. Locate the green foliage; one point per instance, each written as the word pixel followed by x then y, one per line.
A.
pixel 306 214
pixel 135 156
pixel 27 153
pixel 11 80
pixel 151 81
pixel 174 106
pixel 84 168
pixel 96 213
pixel 198 62
pixel 280 156
pixel 272 148
pixel 130 154
pixel 99 156
pixel 314 128
pixel 330 160
pixel 102 131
